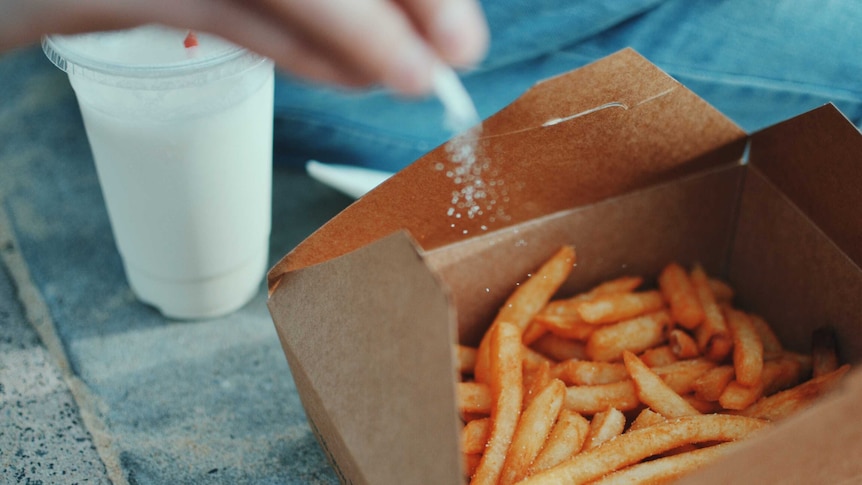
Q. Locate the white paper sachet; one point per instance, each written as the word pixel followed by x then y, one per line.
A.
pixel 461 118
pixel 461 114
pixel 348 179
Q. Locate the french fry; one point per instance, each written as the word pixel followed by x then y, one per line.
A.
pixel 804 360
pixel 590 400
pixel 667 469
pixel 533 332
pixel 466 359
pixel 785 403
pixel 536 378
pixel 658 356
pixel 747 347
pixel 566 310
pixel 620 306
pixel 607 343
pixel 532 295
pixel 474 435
pixel 528 300
pixel 588 373
pixel 569 306
pixel 471 461
pixel 782 373
pixel 560 349
pixel 604 426
pixel 534 358
pixel 678 291
pixel 703 406
pixel 722 292
pixel 711 335
pixel 711 383
pixel 506 383
pixel 682 344
pixel 561 317
pixel 680 375
pixel 623 284
pixel 718 347
pixel 473 397
pixel 778 374
pixel 566 326
pixel 532 431
pixel 566 439
pixel 772 347
pixel 738 396
pixel 824 351
pixel 633 446
pixel 653 391
pixel 647 417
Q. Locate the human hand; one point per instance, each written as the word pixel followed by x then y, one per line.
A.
pixel 345 42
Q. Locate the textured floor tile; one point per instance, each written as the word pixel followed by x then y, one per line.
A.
pixel 42 438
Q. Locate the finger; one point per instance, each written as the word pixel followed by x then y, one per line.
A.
pixel 235 22
pixel 373 37
pixel 256 29
pixel 456 29
pixel 288 48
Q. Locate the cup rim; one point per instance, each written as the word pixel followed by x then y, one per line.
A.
pixel 75 63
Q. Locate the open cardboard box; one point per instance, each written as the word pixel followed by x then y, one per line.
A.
pixel 369 306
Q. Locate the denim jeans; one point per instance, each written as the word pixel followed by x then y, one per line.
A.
pixel 757 61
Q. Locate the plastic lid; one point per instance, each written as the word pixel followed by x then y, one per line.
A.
pixel 146 52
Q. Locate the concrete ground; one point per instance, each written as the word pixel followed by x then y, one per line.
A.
pixel 96 387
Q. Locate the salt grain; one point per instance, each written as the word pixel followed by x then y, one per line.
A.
pixel 471 192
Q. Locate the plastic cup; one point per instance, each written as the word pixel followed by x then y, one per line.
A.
pixel 182 141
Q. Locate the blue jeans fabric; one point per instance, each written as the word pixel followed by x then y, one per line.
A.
pixel 757 61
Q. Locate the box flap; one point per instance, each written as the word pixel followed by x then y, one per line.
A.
pixel 787 269
pixel 816 160
pixel 373 360
pixel 563 125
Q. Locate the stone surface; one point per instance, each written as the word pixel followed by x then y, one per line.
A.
pixel 42 436
pixel 176 401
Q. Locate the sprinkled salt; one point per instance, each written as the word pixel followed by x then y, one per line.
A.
pixel 471 192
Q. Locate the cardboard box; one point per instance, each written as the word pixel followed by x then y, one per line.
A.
pixel 368 307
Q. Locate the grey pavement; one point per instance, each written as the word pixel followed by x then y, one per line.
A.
pixel 98 388
pixel 42 435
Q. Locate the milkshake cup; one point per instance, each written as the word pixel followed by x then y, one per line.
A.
pixel 182 142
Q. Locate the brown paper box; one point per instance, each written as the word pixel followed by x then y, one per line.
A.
pixel 368 307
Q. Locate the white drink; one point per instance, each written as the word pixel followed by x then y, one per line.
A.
pixel 182 140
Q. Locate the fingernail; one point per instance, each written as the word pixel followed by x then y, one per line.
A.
pixel 461 33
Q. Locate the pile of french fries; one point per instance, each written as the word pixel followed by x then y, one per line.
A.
pixel 625 385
